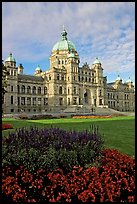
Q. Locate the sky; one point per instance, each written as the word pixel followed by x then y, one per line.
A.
pixel 97 29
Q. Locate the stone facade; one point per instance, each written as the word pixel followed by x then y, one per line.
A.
pixel 64 85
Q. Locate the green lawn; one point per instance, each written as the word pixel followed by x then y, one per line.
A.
pixel 119 132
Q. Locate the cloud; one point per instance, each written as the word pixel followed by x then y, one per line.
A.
pixel 98 29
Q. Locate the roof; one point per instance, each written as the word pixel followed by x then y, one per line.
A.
pixel 10 58
pixel 64 43
pixel 97 61
pixel 38 68
pixel 30 77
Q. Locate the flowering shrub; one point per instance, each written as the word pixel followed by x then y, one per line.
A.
pixel 91 116
pixel 6 126
pixel 113 181
pixel 51 148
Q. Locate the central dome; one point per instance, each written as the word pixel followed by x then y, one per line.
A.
pixel 64 43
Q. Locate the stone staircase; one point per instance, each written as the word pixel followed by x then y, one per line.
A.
pixel 88 110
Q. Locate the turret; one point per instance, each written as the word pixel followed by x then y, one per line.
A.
pixel 20 69
pixel 10 61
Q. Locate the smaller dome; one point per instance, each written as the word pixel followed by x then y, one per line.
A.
pixel 10 58
pixel 38 68
pixel 129 80
pixel 96 61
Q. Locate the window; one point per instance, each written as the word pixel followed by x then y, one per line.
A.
pixel 79 78
pixel 12 110
pixel 49 77
pixel 39 101
pixel 68 101
pixel 108 95
pixel 92 80
pixel 11 99
pixel 60 90
pixel 74 90
pixel 100 93
pixel 22 89
pixel 58 61
pixel 74 101
pixel 68 90
pixel 57 76
pixel 62 77
pixel 11 72
pixel 28 90
pixel 34 90
pixel 86 79
pixel 89 79
pixel 18 100
pixel 34 101
pixel 28 101
pixel 39 90
pixel 74 78
pixel 100 101
pixel 18 88
pixel 22 100
pixel 14 72
pixel 60 101
pixel 45 90
pixel 45 101
pixel 11 88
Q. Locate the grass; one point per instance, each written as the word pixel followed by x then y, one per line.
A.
pixel 119 132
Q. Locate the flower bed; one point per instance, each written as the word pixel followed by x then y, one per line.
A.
pixel 51 148
pixel 91 116
pixel 6 126
pixel 113 181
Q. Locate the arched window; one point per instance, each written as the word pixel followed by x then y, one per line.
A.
pixel 39 90
pixel 34 90
pixel 60 90
pixel 22 89
pixel 89 79
pixel 86 79
pixel 45 90
pixel 108 95
pixel 28 90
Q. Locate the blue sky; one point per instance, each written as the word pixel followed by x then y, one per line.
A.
pixel 98 29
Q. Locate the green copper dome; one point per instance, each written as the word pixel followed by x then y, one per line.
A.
pixel 10 58
pixel 96 61
pixel 38 68
pixel 64 43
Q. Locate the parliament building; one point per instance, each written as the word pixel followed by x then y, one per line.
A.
pixel 65 86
